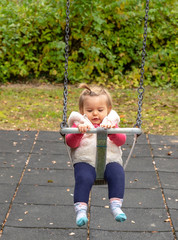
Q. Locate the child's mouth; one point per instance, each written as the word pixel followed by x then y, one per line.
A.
pixel 95 119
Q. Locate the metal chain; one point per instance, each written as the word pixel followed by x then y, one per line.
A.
pixel 141 88
pixel 64 122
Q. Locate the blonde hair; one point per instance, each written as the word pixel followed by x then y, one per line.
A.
pixel 93 91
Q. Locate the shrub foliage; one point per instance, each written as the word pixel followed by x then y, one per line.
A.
pixel 105 41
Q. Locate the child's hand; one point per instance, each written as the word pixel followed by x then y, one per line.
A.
pixel 83 127
pixel 108 124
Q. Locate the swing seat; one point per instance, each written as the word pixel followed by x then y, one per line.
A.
pixel 102 146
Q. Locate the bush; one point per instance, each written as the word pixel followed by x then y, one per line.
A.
pixel 105 41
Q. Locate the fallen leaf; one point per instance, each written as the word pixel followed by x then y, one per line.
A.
pixel 20 220
pixel 133 222
pixel 50 181
pixel 106 206
pixel 71 234
pixel 169 153
pixel 167 220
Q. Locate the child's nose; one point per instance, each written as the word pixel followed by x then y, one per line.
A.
pixel 95 112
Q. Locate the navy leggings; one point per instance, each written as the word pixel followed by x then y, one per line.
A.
pixel 85 176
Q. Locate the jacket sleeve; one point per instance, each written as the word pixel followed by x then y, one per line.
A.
pixel 119 139
pixel 73 140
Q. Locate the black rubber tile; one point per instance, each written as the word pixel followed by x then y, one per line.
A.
pixel 49 177
pixel 135 198
pixel 42 216
pixel 12 233
pixel 166 164
pixel 16 135
pixel 166 151
pixel 140 220
pixel 48 195
pixel 11 160
pixel 50 147
pixel 171 196
pixel 10 175
pixel 3 211
pixel 114 235
pixel 163 140
pixel 52 161
pixel 140 140
pixel 49 136
pixel 169 180
pixel 14 146
pixel 140 150
pixel 174 217
pixel 141 180
pixel 139 164
pixel 6 192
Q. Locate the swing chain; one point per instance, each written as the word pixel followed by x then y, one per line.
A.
pixel 64 122
pixel 141 88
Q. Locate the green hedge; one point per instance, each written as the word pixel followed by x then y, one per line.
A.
pixel 105 41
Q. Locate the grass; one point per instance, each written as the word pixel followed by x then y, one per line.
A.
pixel 27 107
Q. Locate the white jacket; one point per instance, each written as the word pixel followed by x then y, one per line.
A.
pixel 86 152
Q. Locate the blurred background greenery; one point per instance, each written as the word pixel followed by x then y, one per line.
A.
pixel 105 42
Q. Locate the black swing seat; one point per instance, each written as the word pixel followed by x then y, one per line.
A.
pixel 102 146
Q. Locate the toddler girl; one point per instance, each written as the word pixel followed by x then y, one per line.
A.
pixel 95 106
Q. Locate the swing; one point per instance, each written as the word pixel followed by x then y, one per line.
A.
pixel 102 133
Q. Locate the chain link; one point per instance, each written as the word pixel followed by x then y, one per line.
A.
pixel 67 30
pixel 141 88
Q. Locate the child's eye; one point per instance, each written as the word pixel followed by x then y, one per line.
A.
pixel 89 110
pixel 100 110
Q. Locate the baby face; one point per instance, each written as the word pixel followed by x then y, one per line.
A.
pixel 96 108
